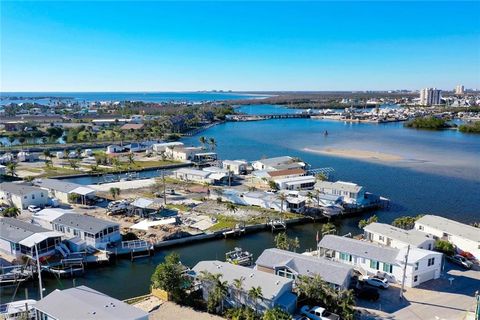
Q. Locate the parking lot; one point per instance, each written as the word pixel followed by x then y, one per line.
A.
pixel 450 297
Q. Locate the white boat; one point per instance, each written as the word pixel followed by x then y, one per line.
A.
pixel 17 310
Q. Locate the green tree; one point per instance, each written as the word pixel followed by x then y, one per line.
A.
pixel 114 192
pixel 365 222
pixel 168 276
pixel 445 247
pixel 11 168
pixel 327 228
pixel 217 290
pixel 272 185
pixel 255 294
pixel 11 212
pixel 73 164
pixel 283 198
pixel 203 141
pixel 276 314
pixel 231 207
pixel 405 222
pixel 213 143
pixel 238 285
pixel 282 241
pixel 130 159
pixel 73 197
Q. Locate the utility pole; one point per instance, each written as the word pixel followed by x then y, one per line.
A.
pixel 39 270
pixel 164 188
pixel 404 272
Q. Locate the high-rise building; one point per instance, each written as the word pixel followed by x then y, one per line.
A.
pixel 430 96
pixel 459 90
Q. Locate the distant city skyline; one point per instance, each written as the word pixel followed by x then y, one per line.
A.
pixel 254 46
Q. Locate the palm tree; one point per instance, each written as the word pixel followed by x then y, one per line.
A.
pixel 231 207
pixel 238 285
pixel 282 197
pixel 11 212
pixel 207 185
pixel 255 294
pixel 73 163
pixel 114 192
pixel 217 289
pixel 213 143
pixel 12 168
pixel 203 141
pixel 131 159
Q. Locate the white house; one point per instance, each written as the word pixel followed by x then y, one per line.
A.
pixel 277 163
pixel 94 232
pixel 45 217
pixel 398 238
pixel 296 183
pixel 350 192
pixel 22 195
pixel 85 303
pixel 111 149
pixel 162 147
pixel 182 153
pixel 62 189
pixel 235 166
pixel 291 265
pixel 18 238
pixel 3 170
pixel 372 258
pixel 464 237
pixel 276 290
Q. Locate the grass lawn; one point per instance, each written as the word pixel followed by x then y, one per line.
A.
pixel 57 171
pixel 227 222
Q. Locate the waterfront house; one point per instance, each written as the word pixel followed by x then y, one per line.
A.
pixel 162 147
pixel 112 149
pixel 182 153
pixel 45 217
pixel 81 303
pixel 204 157
pixel 371 258
pixel 92 231
pixel 194 175
pixel 287 173
pixel 276 290
pixel 396 237
pixel 235 166
pixel 464 237
pixel 62 190
pixel 277 163
pixel 295 183
pixel 22 195
pixel 291 265
pixel 350 192
pixel 18 238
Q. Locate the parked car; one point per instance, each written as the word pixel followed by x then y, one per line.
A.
pixel 461 261
pixel 366 293
pixel 318 313
pixel 375 281
pixel 33 208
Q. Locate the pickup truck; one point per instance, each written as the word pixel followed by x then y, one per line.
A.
pixel 318 313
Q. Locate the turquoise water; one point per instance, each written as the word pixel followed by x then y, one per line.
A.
pixel 439 174
pixel 128 96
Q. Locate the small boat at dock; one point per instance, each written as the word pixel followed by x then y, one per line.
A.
pixel 239 257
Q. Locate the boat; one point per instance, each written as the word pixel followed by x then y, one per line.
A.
pixel 22 309
pixel 15 274
pixel 239 257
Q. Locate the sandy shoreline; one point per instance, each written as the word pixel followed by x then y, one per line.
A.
pixel 356 154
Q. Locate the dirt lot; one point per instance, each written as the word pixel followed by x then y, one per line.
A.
pixel 172 311
pixel 432 300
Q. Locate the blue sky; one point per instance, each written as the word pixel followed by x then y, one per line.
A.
pixel 183 46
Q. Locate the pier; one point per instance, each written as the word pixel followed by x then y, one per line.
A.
pixel 258 117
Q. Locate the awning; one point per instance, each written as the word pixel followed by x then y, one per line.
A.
pixel 142 203
pixel 39 237
pixel 217 176
pixel 83 191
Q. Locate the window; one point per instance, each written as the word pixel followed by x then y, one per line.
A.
pixel 381 238
pixel 387 267
pixel 374 264
pixel 420 227
pixel 33 197
pixel 431 262
pixel 415 279
pixel 430 246
pixel 345 256
pixel 416 265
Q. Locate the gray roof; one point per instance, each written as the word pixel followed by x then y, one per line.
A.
pixel 276 161
pixel 17 188
pixel 86 223
pixel 413 237
pixel 84 303
pixel 339 185
pixel 56 184
pixel 359 248
pixel 271 284
pixel 330 271
pixel 15 230
pixel 452 227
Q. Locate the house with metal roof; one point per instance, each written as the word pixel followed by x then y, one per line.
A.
pixel 350 192
pixel 396 237
pixel 276 290
pixel 80 303
pixel 277 163
pixel 371 258
pixel 291 265
pixel 295 183
pixel 18 238
pixel 63 189
pixel 235 166
pixel 94 232
pixel 463 236
pixel 22 195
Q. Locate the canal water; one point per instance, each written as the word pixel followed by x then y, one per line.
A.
pixel 439 173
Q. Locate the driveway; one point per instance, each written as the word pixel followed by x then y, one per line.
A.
pixel 450 297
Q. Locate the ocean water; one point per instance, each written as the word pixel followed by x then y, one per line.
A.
pixel 83 97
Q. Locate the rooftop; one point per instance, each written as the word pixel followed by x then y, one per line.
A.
pixel 413 237
pixel 296 179
pixel 17 188
pixel 330 271
pixel 193 172
pixel 83 222
pixel 50 214
pixel 15 230
pixel 452 227
pixel 286 172
pixel 275 161
pixel 359 248
pixel 271 284
pixel 57 185
pixel 85 303
pixel 339 185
